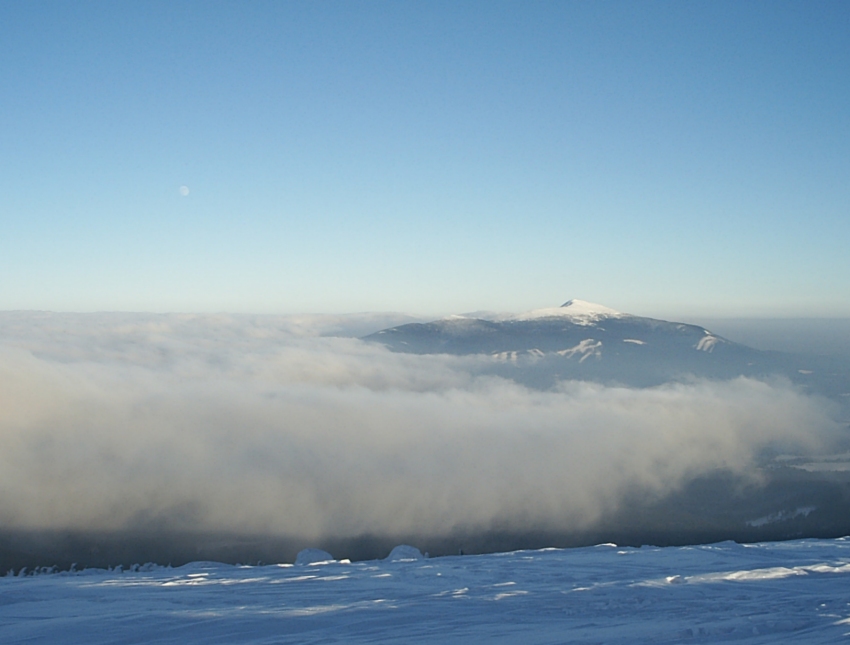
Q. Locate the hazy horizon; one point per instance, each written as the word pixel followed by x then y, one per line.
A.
pixel 819 335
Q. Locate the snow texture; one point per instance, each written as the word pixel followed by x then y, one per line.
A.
pixel 762 593
pixel 707 343
pixel 587 347
pixel 404 553
pixel 312 556
pixel 577 311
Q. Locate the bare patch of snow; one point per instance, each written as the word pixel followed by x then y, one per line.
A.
pixel 586 348
pixel 707 343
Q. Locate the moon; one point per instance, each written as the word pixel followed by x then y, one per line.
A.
pixel 184 190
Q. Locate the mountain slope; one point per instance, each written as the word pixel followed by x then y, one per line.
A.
pixel 582 340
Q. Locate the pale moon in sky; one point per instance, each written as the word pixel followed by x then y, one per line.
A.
pixel 184 190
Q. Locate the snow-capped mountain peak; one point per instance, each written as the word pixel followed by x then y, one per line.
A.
pixel 578 311
pixel 589 308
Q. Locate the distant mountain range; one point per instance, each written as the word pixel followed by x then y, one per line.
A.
pixel 587 341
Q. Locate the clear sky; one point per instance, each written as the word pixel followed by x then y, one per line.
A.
pixel 662 158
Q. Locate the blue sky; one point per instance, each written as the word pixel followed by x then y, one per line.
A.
pixel 662 158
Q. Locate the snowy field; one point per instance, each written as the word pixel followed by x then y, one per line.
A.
pixel 795 591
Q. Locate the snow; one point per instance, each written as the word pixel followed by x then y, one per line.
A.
pixel 577 311
pixel 312 556
pixel 707 343
pixel 587 347
pixel 404 553
pixel 782 516
pixel 761 593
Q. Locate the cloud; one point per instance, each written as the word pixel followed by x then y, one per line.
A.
pixel 226 423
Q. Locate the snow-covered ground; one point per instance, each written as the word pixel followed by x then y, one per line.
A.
pixel 764 593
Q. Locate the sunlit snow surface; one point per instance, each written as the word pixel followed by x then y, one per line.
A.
pixel 580 312
pixel 766 593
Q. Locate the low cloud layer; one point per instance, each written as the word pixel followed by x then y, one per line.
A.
pixel 262 425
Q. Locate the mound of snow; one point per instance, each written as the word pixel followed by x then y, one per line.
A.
pixel 312 556
pixel 404 553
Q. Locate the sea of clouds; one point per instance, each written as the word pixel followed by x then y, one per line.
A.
pixel 289 426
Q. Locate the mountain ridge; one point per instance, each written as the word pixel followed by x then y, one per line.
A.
pixel 582 340
pixel 549 326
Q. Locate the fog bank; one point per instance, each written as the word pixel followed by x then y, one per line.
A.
pixel 225 423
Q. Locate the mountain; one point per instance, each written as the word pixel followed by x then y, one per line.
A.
pixel 587 341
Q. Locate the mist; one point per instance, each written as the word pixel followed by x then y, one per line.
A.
pixel 817 336
pixel 263 425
